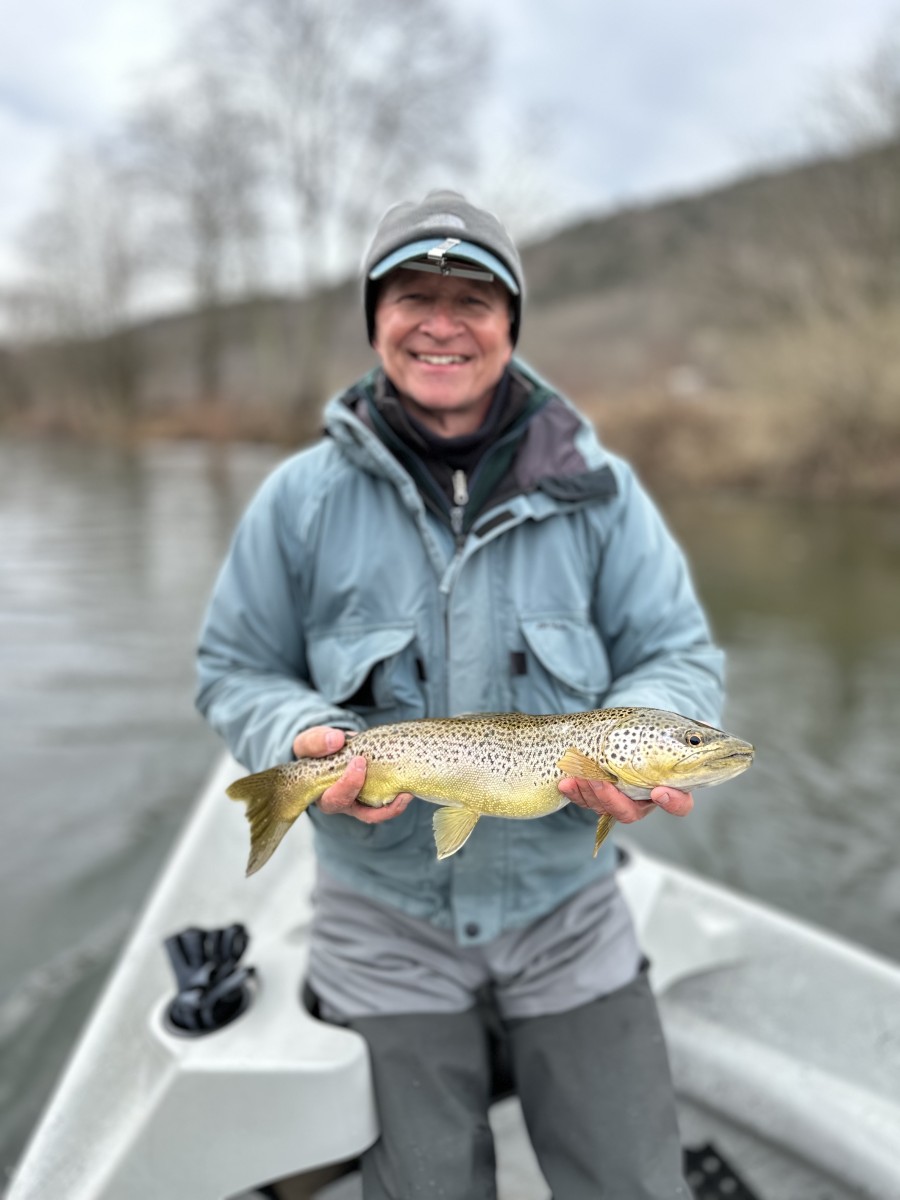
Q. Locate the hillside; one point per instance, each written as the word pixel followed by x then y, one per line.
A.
pixel 743 337
pixel 748 336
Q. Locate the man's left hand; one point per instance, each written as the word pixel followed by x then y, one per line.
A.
pixel 606 798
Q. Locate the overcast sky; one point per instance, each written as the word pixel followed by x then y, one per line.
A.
pixel 647 97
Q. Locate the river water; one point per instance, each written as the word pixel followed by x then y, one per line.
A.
pixel 107 560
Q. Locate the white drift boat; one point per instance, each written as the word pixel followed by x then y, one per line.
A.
pixel 785 1045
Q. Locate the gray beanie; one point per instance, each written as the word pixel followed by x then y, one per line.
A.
pixel 446 234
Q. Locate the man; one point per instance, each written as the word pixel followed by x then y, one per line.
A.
pixel 461 542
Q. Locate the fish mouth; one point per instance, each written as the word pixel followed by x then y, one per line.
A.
pixel 701 767
pixel 742 753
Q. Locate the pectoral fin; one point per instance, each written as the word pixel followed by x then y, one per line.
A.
pixel 604 825
pixel 452 827
pixel 579 766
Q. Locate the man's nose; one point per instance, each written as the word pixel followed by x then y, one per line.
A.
pixel 442 320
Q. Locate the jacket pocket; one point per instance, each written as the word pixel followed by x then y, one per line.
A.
pixel 563 667
pixel 374 671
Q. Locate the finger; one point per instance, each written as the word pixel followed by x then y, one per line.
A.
pixel 605 798
pixel 571 789
pixel 678 803
pixel 342 794
pixel 375 816
pixel 642 808
pixel 318 741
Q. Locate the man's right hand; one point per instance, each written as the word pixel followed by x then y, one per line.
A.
pixel 341 797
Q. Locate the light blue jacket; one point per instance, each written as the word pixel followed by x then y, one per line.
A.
pixel 345 600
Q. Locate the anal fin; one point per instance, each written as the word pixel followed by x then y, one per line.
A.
pixel 579 766
pixel 604 825
pixel 452 827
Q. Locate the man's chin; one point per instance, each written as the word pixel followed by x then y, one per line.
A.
pixel 447 412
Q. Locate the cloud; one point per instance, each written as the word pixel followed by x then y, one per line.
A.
pixel 649 96
pixel 643 96
pixel 68 66
pixel 66 73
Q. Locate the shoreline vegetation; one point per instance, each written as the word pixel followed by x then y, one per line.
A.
pixel 750 446
pixel 743 339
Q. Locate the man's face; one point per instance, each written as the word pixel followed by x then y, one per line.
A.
pixel 444 342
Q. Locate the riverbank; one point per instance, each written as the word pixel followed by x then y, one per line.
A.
pixel 768 449
pixel 703 443
pixel 743 339
pixel 805 408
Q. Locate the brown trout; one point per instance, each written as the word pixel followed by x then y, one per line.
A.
pixel 497 765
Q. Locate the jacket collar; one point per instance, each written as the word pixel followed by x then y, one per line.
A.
pixel 558 453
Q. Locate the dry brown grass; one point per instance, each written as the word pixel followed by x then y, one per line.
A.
pixel 771 445
pixel 807 409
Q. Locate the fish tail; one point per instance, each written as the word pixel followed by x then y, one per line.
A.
pixel 269 817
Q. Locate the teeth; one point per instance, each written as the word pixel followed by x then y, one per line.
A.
pixel 440 360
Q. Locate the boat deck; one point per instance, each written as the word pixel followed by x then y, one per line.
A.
pixel 769 1174
pixel 784 1041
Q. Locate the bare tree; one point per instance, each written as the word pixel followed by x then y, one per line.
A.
pixel 84 262
pixel 517 174
pixel 361 100
pixel 823 242
pixel 857 117
pixel 81 246
pixel 860 109
pixel 816 253
pixel 194 153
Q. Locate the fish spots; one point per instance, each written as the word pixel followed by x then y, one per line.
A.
pixel 497 764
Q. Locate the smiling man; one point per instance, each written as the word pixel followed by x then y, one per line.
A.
pixel 461 542
pixel 444 343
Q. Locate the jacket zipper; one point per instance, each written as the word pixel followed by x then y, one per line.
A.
pixel 457 514
pixel 460 500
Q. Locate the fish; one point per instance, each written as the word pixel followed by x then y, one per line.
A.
pixel 496 765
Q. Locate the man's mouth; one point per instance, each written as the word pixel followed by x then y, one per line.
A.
pixel 440 360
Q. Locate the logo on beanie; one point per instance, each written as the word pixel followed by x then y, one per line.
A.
pixel 451 220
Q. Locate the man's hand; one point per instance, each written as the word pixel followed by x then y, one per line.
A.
pixel 606 798
pixel 341 797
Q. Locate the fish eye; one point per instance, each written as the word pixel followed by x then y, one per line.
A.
pixel 693 739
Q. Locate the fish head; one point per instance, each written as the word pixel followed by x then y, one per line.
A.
pixel 648 747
